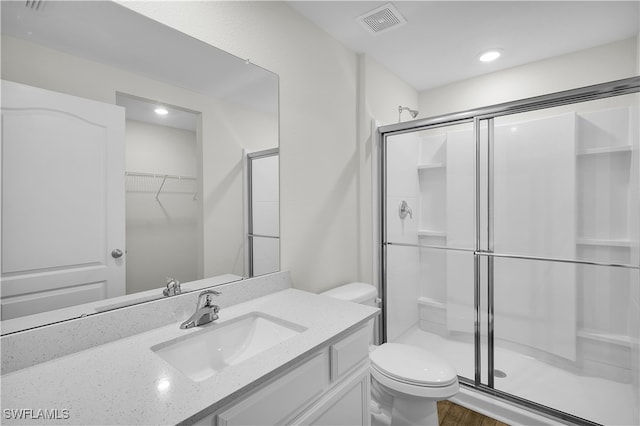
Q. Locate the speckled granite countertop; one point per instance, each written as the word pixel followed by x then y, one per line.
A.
pixel 125 383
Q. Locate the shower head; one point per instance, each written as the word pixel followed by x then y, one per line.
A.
pixel 413 112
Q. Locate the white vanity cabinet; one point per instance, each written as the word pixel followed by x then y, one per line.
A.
pixel 330 387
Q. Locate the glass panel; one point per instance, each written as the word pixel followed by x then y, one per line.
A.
pixel 265 195
pixel 433 172
pixel 566 336
pixel 266 255
pixel 429 295
pixel 264 245
pixel 566 182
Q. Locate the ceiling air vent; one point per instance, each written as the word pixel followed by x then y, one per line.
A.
pixel 382 19
pixel 33 4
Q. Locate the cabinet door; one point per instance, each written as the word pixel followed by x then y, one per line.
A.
pixel 280 401
pixel 346 404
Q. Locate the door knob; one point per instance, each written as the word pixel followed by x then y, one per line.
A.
pixel 116 253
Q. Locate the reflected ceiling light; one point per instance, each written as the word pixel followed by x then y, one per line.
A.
pixel 490 55
pixel 161 111
pixel 163 384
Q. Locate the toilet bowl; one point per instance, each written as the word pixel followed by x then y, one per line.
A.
pixel 415 379
pixel 406 380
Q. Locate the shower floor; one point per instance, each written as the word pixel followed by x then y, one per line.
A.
pixel 595 399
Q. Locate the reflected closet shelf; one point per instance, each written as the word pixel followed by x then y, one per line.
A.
pixel 161 183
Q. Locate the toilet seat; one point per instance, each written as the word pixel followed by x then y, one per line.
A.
pixel 414 371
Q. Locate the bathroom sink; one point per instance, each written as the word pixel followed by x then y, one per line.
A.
pixel 217 346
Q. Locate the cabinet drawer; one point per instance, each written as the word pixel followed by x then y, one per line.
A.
pixel 279 401
pixel 349 352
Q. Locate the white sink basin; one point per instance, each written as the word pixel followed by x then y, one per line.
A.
pixel 202 354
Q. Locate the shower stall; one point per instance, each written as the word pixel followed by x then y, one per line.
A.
pixel 510 246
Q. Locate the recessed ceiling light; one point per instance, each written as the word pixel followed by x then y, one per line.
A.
pixel 490 55
pixel 161 111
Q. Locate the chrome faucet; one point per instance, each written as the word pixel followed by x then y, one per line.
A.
pixel 173 287
pixel 205 313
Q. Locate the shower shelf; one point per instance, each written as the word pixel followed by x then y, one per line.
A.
pixel 430 233
pixel 607 337
pixel 605 150
pixel 427 166
pixel 603 242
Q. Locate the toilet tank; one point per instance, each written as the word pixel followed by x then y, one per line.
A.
pixel 361 293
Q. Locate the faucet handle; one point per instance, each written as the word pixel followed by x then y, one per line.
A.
pixel 208 299
pixel 173 287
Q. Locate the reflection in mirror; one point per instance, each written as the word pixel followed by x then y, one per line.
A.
pixel 263 233
pixel 161 187
pixel 101 199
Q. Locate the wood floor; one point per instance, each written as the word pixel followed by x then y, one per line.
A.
pixel 450 414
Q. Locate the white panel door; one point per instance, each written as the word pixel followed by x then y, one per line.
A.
pixel 62 200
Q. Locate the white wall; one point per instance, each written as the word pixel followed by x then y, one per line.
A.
pixel 384 92
pixel 380 92
pixel 159 149
pixel 592 66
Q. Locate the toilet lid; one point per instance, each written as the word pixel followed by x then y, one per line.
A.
pixel 413 365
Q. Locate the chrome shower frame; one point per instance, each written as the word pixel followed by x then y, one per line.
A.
pixel 478 117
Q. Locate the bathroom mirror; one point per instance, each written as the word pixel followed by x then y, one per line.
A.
pixel 175 183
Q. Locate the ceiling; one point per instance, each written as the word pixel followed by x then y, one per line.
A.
pixel 143 110
pixel 442 40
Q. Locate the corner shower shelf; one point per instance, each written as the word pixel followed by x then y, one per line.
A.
pixel 605 150
pixel 427 166
pixel 606 337
pixel 601 242
pixel 431 233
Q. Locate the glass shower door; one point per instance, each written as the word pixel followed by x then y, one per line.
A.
pixel 430 241
pixel 564 237
pixel 511 247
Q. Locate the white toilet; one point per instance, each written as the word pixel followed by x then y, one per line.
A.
pixel 407 381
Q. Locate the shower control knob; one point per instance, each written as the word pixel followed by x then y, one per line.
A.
pixel 117 253
pixel 404 210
